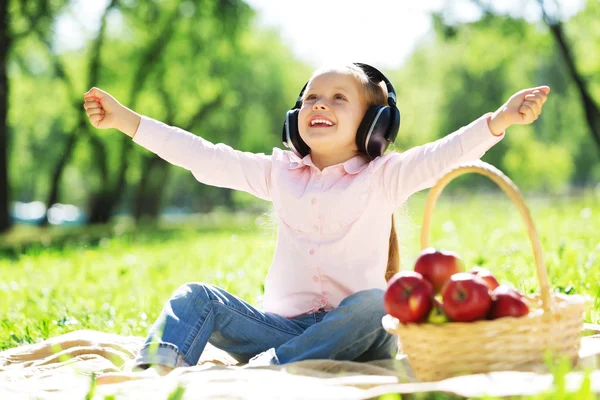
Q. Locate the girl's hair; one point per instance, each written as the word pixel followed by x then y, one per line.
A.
pixel 376 94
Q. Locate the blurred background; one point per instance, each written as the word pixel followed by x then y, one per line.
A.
pixel 228 70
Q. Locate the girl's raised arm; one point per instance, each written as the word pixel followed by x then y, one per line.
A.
pixel 212 164
pixel 420 167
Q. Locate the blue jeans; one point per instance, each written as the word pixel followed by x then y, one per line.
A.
pixel 199 313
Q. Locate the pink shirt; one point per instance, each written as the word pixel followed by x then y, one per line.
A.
pixel 333 225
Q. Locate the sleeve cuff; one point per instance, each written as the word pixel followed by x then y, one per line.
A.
pixel 479 138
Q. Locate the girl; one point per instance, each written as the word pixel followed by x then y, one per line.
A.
pixel 334 194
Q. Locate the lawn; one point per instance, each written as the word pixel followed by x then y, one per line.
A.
pixel 116 278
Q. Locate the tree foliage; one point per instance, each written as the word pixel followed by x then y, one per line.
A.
pixel 205 66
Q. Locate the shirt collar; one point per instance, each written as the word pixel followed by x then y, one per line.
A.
pixel 352 166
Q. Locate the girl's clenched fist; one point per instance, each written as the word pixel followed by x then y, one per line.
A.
pixel 104 112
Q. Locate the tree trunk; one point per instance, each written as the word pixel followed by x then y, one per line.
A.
pixel 148 195
pixel 592 113
pixel 4 142
pixel 228 199
pixel 109 196
pixel 54 193
pixel 101 206
pixel 153 207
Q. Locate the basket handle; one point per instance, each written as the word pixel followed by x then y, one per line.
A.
pixel 513 193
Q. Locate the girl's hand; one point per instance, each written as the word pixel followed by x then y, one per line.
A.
pixel 102 109
pixel 522 108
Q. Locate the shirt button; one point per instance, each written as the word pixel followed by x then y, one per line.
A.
pixel 314 200
pixel 315 228
pixel 311 252
pixel 315 279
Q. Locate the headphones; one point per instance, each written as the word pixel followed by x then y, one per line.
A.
pixel 377 130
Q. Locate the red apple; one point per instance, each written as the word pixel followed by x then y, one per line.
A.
pixel 486 275
pixel 437 266
pixel 507 302
pixel 466 297
pixel 409 297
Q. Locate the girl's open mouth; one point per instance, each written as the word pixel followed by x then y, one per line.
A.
pixel 321 123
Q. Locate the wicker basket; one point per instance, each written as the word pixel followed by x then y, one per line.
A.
pixel 455 348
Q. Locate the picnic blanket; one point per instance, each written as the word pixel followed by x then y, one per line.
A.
pixel 64 367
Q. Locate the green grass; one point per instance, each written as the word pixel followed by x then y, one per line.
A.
pixel 116 278
pixel 120 283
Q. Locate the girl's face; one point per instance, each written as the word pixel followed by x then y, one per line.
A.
pixel 331 112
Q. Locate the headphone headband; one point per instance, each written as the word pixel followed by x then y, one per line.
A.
pixel 374 75
pixel 298 104
pixel 377 76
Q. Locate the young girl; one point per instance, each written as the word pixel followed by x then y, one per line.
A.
pixel 334 193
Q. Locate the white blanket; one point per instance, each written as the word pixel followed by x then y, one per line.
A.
pixel 65 367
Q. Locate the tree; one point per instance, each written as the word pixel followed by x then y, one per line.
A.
pixel 150 191
pixel 592 111
pixel 81 122
pixel 201 68
pixel 466 68
pixel 5 42
pixel 228 18
pixel 27 17
pixel 112 184
pixel 106 198
pixel 554 23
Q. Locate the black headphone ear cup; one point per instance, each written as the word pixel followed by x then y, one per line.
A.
pixel 365 126
pixel 290 136
pixel 373 131
pixel 394 126
pixel 378 129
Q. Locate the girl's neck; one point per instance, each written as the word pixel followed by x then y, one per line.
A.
pixel 324 160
